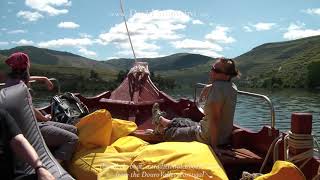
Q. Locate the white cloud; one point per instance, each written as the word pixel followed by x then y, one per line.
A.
pixel 68 25
pixel 145 29
pixel 66 42
pixel 23 42
pixel 3 29
pixel 85 35
pixel 312 11
pixel 247 29
pixel 219 35
pixel 3 43
pixel 296 31
pixel 262 26
pixel 30 16
pixel 18 31
pixel 87 52
pixel 207 53
pixel 198 47
pixel 197 21
pixel 112 57
pixel 49 6
pixel 191 44
pixel 11 2
pixel 140 54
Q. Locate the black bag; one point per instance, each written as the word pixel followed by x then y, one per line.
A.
pixel 67 108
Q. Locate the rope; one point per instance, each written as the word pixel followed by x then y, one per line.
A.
pixel 125 23
pixel 269 152
pixel 298 141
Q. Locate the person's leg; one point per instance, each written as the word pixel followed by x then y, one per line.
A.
pixel 184 134
pixel 64 126
pixel 182 122
pixel 62 140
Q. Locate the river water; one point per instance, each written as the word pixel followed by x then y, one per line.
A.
pixel 253 113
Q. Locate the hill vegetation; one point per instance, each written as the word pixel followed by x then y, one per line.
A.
pixel 290 64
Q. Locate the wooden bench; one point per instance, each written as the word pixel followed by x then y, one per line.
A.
pixel 238 156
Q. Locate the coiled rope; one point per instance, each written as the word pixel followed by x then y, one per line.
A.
pixel 300 141
pixel 296 141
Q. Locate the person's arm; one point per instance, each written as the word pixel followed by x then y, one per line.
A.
pixel 26 152
pixel 21 147
pixel 43 79
pixel 216 109
pixel 205 92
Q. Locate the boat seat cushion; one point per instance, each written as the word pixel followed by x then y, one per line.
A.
pixel 17 101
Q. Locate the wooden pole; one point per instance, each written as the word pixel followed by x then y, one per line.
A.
pixel 301 123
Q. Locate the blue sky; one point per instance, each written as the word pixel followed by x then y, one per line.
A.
pixel 95 29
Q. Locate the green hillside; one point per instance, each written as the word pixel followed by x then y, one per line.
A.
pixel 290 64
pixel 51 57
pixel 184 68
pixel 168 63
pixel 285 64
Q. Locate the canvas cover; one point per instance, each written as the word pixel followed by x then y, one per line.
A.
pixel 129 157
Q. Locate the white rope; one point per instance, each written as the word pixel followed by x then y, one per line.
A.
pixel 298 141
pixel 125 23
pixel 274 142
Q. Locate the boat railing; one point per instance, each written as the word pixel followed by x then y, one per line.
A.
pixel 51 79
pixel 261 96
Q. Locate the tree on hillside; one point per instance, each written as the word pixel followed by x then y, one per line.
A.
pixel 93 74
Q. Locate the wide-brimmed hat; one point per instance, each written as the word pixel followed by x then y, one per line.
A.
pixel 18 61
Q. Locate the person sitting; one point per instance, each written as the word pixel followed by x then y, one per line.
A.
pixel 12 142
pixel 58 136
pixel 216 126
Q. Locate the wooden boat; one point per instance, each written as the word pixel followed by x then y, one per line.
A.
pixel 133 101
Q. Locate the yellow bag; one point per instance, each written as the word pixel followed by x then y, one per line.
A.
pixel 109 162
pixel 177 160
pixel 128 156
pixel 283 170
pixel 95 129
pixel 121 128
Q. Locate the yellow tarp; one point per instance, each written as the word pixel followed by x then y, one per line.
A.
pixel 132 158
pixel 283 170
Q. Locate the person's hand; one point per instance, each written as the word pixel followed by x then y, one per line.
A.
pixel 47 117
pixel 44 174
pixel 205 92
pixel 49 84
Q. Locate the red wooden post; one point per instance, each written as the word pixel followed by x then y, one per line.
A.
pixel 301 123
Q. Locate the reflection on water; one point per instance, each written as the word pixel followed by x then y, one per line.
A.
pixel 252 112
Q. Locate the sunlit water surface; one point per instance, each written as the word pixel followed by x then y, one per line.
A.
pixel 253 113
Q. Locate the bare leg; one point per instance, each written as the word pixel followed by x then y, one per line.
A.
pixel 164 122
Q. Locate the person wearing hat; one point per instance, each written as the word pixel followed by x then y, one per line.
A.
pixel 216 126
pixel 58 136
